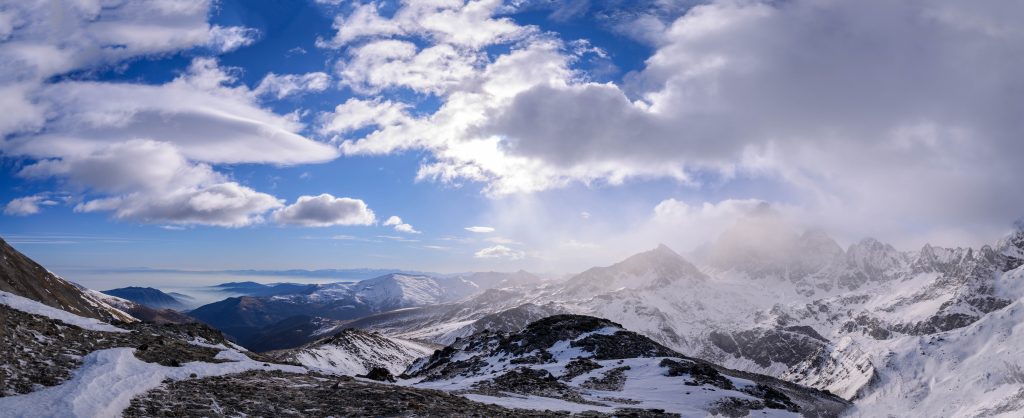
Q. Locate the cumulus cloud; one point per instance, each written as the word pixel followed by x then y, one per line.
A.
pixel 400 226
pixel 28 205
pixel 355 114
pixel 500 252
pixel 325 210
pixel 470 24
pixel 226 39
pixel 480 229
pixel 284 85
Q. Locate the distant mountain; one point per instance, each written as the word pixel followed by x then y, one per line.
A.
pixel 21 276
pixel 494 279
pixel 597 365
pixel 505 310
pixel 142 312
pixel 246 317
pixel 148 296
pixel 259 289
pixel 658 267
pixel 354 352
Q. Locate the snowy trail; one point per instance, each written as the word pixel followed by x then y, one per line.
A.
pixel 109 379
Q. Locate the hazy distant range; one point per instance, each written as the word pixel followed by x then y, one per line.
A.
pixel 192 281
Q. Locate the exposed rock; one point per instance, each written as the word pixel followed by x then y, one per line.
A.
pixel 612 380
pixel 700 373
pixel 579 367
pixel 527 381
pixel 379 374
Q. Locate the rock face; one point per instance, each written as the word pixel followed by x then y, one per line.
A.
pixel 354 352
pixel 23 277
pixel 596 363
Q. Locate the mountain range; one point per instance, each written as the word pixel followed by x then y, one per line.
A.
pixel 772 319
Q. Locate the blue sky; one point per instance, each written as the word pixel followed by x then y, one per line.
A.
pixel 268 135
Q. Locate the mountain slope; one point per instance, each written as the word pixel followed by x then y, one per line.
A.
pixel 21 276
pixel 354 352
pixel 585 363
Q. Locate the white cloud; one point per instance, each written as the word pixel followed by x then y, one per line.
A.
pixel 226 204
pixel 200 113
pixel 480 229
pixel 385 64
pixel 41 43
pixel 152 182
pixel 325 210
pixel 284 85
pixel 28 205
pixel 499 251
pixel 503 240
pixel 470 24
pixel 226 39
pixel 400 226
pixel 356 114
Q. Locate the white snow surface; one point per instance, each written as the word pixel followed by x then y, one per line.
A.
pixel 973 371
pixel 30 306
pixel 109 379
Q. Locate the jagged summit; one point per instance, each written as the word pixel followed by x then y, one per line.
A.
pixel 1012 246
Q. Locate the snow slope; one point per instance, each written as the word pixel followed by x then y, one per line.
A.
pixel 109 379
pixel 974 371
pixel 33 307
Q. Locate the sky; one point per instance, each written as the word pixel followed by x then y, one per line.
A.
pixel 450 135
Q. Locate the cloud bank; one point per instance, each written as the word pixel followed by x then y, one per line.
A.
pixel 868 110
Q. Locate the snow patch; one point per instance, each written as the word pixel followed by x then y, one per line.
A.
pixel 30 306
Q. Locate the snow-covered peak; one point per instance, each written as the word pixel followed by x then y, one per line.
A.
pixel 1012 247
pixel 400 290
pixel 871 255
pixel 654 268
